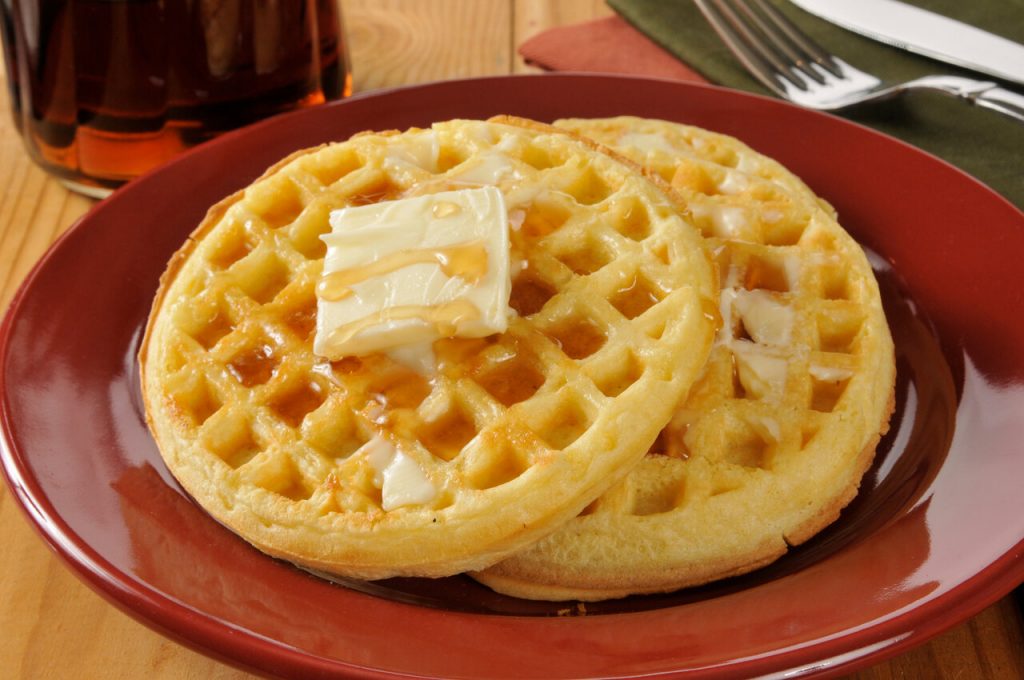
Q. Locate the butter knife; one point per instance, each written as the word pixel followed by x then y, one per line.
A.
pixel 918 30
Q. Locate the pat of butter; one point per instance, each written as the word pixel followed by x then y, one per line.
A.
pixel 770 427
pixel 734 183
pixel 487 169
pixel 400 479
pixel 407 272
pixel 830 373
pixel 768 321
pixel 730 221
pixel 648 143
pixel 761 374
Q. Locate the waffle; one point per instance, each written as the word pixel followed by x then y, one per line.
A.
pixel 695 161
pixel 515 432
pixel 775 436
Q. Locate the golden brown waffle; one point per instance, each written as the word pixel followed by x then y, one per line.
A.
pixel 697 161
pixel 516 432
pixel 775 436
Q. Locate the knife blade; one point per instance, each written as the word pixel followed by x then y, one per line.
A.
pixel 918 30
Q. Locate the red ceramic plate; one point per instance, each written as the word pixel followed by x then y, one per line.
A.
pixel 936 535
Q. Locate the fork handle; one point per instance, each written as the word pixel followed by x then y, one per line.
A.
pixel 982 93
pixel 1003 101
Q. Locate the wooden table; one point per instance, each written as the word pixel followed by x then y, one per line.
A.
pixel 53 626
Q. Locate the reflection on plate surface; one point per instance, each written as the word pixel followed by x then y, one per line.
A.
pixel 929 541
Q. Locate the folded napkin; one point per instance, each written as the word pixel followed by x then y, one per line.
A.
pixel 608 45
pixel 983 143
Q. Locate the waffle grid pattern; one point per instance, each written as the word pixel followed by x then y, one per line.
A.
pixel 609 290
pixel 773 438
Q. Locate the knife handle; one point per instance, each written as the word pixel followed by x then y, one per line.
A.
pixel 1003 101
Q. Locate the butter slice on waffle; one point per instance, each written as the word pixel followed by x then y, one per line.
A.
pixel 515 433
pixel 775 436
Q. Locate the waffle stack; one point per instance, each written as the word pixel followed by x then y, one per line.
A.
pixel 692 377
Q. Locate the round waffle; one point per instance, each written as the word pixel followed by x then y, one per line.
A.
pixel 516 432
pixel 775 436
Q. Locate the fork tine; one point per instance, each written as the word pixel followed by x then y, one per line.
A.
pixel 800 39
pixel 778 37
pixel 791 64
pixel 763 64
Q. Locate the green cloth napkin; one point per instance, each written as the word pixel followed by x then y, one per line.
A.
pixel 985 144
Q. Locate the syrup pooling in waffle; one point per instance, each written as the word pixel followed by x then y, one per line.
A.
pixel 504 437
pixel 774 437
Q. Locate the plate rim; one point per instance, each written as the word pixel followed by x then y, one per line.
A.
pixel 196 629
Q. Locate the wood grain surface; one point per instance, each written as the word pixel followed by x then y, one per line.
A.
pixel 53 626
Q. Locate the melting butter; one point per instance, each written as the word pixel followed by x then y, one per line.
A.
pixel 762 374
pixel 767 320
pixel 445 319
pixel 405 273
pixel 420 150
pixel 400 479
pixel 731 222
pixel 488 169
pixel 734 183
pixel 648 142
pixel 770 427
pixel 467 260
pixel 419 357
pixel 830 373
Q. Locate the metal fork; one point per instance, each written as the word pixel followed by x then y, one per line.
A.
pixel 796 68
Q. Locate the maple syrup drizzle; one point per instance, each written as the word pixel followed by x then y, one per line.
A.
pixel 445 209
pixel 466 260
pixel 712 312
pixel 445 318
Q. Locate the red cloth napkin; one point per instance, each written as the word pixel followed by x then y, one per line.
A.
pixel 608 45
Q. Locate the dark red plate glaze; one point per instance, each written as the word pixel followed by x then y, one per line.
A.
pixel 936 535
